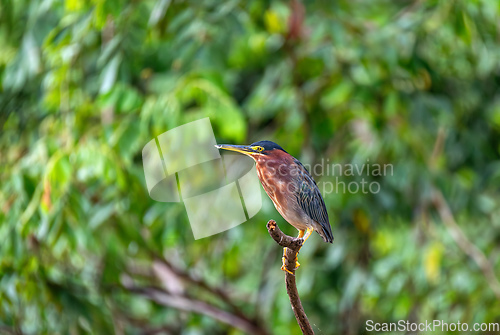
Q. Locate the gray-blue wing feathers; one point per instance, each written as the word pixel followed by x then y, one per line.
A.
pixel 311 201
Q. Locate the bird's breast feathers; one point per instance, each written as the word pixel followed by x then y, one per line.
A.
pixel 279 180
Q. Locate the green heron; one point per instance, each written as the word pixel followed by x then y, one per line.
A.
pixel 291 188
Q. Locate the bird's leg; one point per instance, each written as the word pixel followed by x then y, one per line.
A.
pixel 307 234
pixel 297 264
pixel 304 237
pixel 283 266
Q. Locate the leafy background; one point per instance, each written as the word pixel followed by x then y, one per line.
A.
pixel 86 84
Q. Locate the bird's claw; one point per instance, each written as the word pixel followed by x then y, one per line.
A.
pixel 285 269
pixel 283 266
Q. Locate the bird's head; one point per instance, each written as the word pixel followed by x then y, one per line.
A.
pixel 255 150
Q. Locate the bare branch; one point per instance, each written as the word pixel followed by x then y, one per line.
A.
pixel 197 306
pixel 174 293
pixel 463 242
pixel 293 245
pixel 9 330
pixel 216 291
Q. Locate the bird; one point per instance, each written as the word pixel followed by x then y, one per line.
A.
pixel 291 188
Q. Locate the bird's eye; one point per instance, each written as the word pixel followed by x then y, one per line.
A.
pixel 258 148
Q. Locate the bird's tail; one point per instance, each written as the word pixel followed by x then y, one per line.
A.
pixel 325 232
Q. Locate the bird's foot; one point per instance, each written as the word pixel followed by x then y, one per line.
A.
pixel 283 266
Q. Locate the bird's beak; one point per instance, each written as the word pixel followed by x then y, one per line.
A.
pixel 244 149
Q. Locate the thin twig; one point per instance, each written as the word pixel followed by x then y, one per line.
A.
pixel 216 291
pixel 174 293
pixel 463 242
pixel 293 246
pixel 9 330
pixel 444 211
pixel 197 306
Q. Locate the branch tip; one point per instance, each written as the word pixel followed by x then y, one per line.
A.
pixel 271 225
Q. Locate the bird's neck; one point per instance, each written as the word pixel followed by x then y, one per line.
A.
pixel 278 163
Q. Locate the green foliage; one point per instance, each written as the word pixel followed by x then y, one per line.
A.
pixel 84 85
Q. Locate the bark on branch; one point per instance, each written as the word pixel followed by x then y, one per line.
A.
pixel 293 245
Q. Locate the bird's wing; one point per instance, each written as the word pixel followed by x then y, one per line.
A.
pixel 311 201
